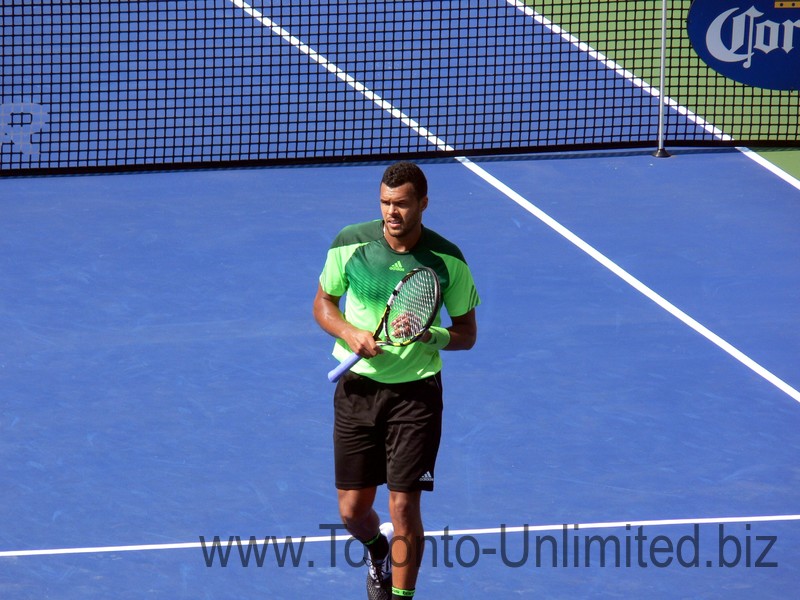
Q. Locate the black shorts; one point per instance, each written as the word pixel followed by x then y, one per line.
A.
pixel 386 433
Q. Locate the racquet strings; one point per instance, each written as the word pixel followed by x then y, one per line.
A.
pixel 414 306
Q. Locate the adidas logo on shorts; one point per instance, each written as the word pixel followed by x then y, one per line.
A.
pixel 427 477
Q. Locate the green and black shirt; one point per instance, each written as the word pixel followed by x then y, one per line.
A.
pixel 363 267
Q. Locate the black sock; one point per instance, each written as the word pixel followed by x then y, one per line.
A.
pixel 378 547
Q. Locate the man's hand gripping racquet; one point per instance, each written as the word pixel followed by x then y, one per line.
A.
pixel 410 311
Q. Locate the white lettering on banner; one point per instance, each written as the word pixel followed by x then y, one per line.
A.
pixel 747 35
pixel 18 122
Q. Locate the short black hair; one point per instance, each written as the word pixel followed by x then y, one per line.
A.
pixel 406 172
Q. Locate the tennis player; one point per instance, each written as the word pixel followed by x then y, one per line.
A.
pixel 388 407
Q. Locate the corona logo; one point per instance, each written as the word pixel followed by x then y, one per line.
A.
pixel 755 42
pixel 748 35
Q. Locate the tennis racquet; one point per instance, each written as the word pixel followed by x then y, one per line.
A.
pixel 410 311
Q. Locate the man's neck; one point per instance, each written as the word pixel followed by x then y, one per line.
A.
pixel 405 243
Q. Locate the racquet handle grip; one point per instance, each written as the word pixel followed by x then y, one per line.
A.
pixel 343 367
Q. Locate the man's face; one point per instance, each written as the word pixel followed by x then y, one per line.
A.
pixel 401 210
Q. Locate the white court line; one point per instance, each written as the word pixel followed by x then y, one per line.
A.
pixel 632 281
pixel 345 77
pixel 452 532
pixel 618 69
pixel 655 92
pixel 518 198
pixel 771 167
pixel 444 146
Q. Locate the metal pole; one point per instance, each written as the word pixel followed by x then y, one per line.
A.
pixel 661 152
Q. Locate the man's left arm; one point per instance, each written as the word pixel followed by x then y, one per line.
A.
pixel 463 333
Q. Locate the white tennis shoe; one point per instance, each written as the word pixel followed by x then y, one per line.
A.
pixel 379 576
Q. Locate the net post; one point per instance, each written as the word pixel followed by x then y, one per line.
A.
pixel 661 151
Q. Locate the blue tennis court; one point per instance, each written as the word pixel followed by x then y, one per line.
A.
pixel 163 379
pixel 626 425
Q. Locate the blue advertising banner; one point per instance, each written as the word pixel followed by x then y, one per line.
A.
pixel 755 42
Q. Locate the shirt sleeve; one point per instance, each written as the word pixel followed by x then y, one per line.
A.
pixel 333 279
pixel 461 295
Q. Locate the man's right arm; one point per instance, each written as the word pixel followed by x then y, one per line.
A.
pixel 330 318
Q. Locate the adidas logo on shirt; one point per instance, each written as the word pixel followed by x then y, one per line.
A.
pixel 398 266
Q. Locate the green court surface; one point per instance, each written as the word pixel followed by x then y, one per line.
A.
pixel 629 34
pixel 785 159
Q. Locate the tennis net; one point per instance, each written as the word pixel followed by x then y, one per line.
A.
pixel 98 85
